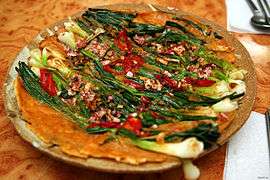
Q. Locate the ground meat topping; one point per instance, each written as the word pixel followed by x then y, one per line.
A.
pixel 139 39
pixel 76 83
pixel 152 84
pixel 98 48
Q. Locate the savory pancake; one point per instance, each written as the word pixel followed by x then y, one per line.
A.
pixel 131 87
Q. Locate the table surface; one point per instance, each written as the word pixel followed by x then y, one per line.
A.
pixel 21 20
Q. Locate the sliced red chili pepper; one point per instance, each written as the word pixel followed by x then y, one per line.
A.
pixel 122 42
pixel 155 115
pixel 129 63
pixel 43 77
pixel 204 82
pixel 132 62
pixel 145 100
pixel 119 61
pixel 47 82
pixel 167 81
pixel 199 82
pixel 170 82
pixel 189 80
pixel 159 76
pixel 108 68
pixel 105 124
pixel 133 124
pixel 134 84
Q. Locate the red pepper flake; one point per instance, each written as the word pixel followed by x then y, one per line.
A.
pixel 122 41
pixel 133 124
pixel 47 83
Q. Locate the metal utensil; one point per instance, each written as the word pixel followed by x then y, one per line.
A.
pixel 267 119
pixel 259 19
pixel 265 9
